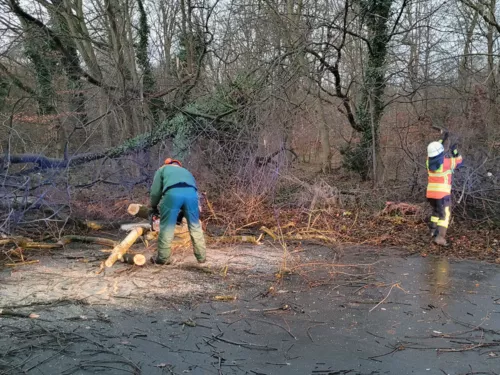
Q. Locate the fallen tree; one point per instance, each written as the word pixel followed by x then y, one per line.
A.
pixel 141 142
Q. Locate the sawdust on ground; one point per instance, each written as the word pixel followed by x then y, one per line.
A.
pixel 72 274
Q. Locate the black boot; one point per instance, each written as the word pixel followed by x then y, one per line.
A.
pixel 155 260
pixel 433 230
pixel 441 237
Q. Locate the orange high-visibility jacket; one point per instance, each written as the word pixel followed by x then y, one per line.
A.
pixel 439 182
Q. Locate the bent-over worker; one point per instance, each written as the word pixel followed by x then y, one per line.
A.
pixel 440 171
pixel 174 191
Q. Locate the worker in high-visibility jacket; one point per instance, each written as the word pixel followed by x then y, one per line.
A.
pixel 440 171
pixel 174 191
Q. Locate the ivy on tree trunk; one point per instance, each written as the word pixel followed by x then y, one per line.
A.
pixel 4 92
pixel 148 79
pixel 71 64
pixel 39 51
pixel 370 107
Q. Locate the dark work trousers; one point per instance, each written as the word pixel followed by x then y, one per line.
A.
pixel 441 212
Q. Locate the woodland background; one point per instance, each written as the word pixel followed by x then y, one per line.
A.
pixel 272 104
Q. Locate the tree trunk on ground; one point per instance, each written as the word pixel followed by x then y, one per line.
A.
pixel 93 240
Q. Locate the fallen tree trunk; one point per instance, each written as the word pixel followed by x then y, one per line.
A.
pixel 93 240
pixel 14 240
pixel 123 246
pixel 40 245
pixel 26 243
pixel 138 143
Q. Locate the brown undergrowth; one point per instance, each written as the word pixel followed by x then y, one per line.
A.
pixel 398 225
pixel 404 229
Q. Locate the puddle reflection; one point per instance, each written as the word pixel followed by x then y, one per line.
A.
pixel 439 276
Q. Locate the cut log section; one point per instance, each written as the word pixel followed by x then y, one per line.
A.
pixel 123 246
pixel 139 210
pixel 137 259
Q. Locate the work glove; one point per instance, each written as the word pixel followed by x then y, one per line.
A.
pixel 444 136
pixel 153 216
pixel 155 212
pixel 454 150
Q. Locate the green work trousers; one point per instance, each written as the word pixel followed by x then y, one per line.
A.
pixel 174 200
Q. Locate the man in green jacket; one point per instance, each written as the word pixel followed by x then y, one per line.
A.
pixel 174 190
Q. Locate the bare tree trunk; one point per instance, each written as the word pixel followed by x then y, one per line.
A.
pixel 492 84
pixel 116 38
pixel 326 149
pixel 187 37
pixel 371 105
pixel 414 41
pixel 75 19
pixel 463 70
pixel 167 23
pixel 38 49
pixel 148 79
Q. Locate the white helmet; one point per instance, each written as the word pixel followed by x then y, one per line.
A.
pixel 434 149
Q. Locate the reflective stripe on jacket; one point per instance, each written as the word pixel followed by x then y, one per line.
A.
pixel 439 181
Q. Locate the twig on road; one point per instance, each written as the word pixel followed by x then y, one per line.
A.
pixel 387 296
pixel 244 344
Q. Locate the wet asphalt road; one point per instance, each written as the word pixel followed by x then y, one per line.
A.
pixel 437 316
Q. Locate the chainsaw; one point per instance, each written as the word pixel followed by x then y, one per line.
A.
pixel 154 221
